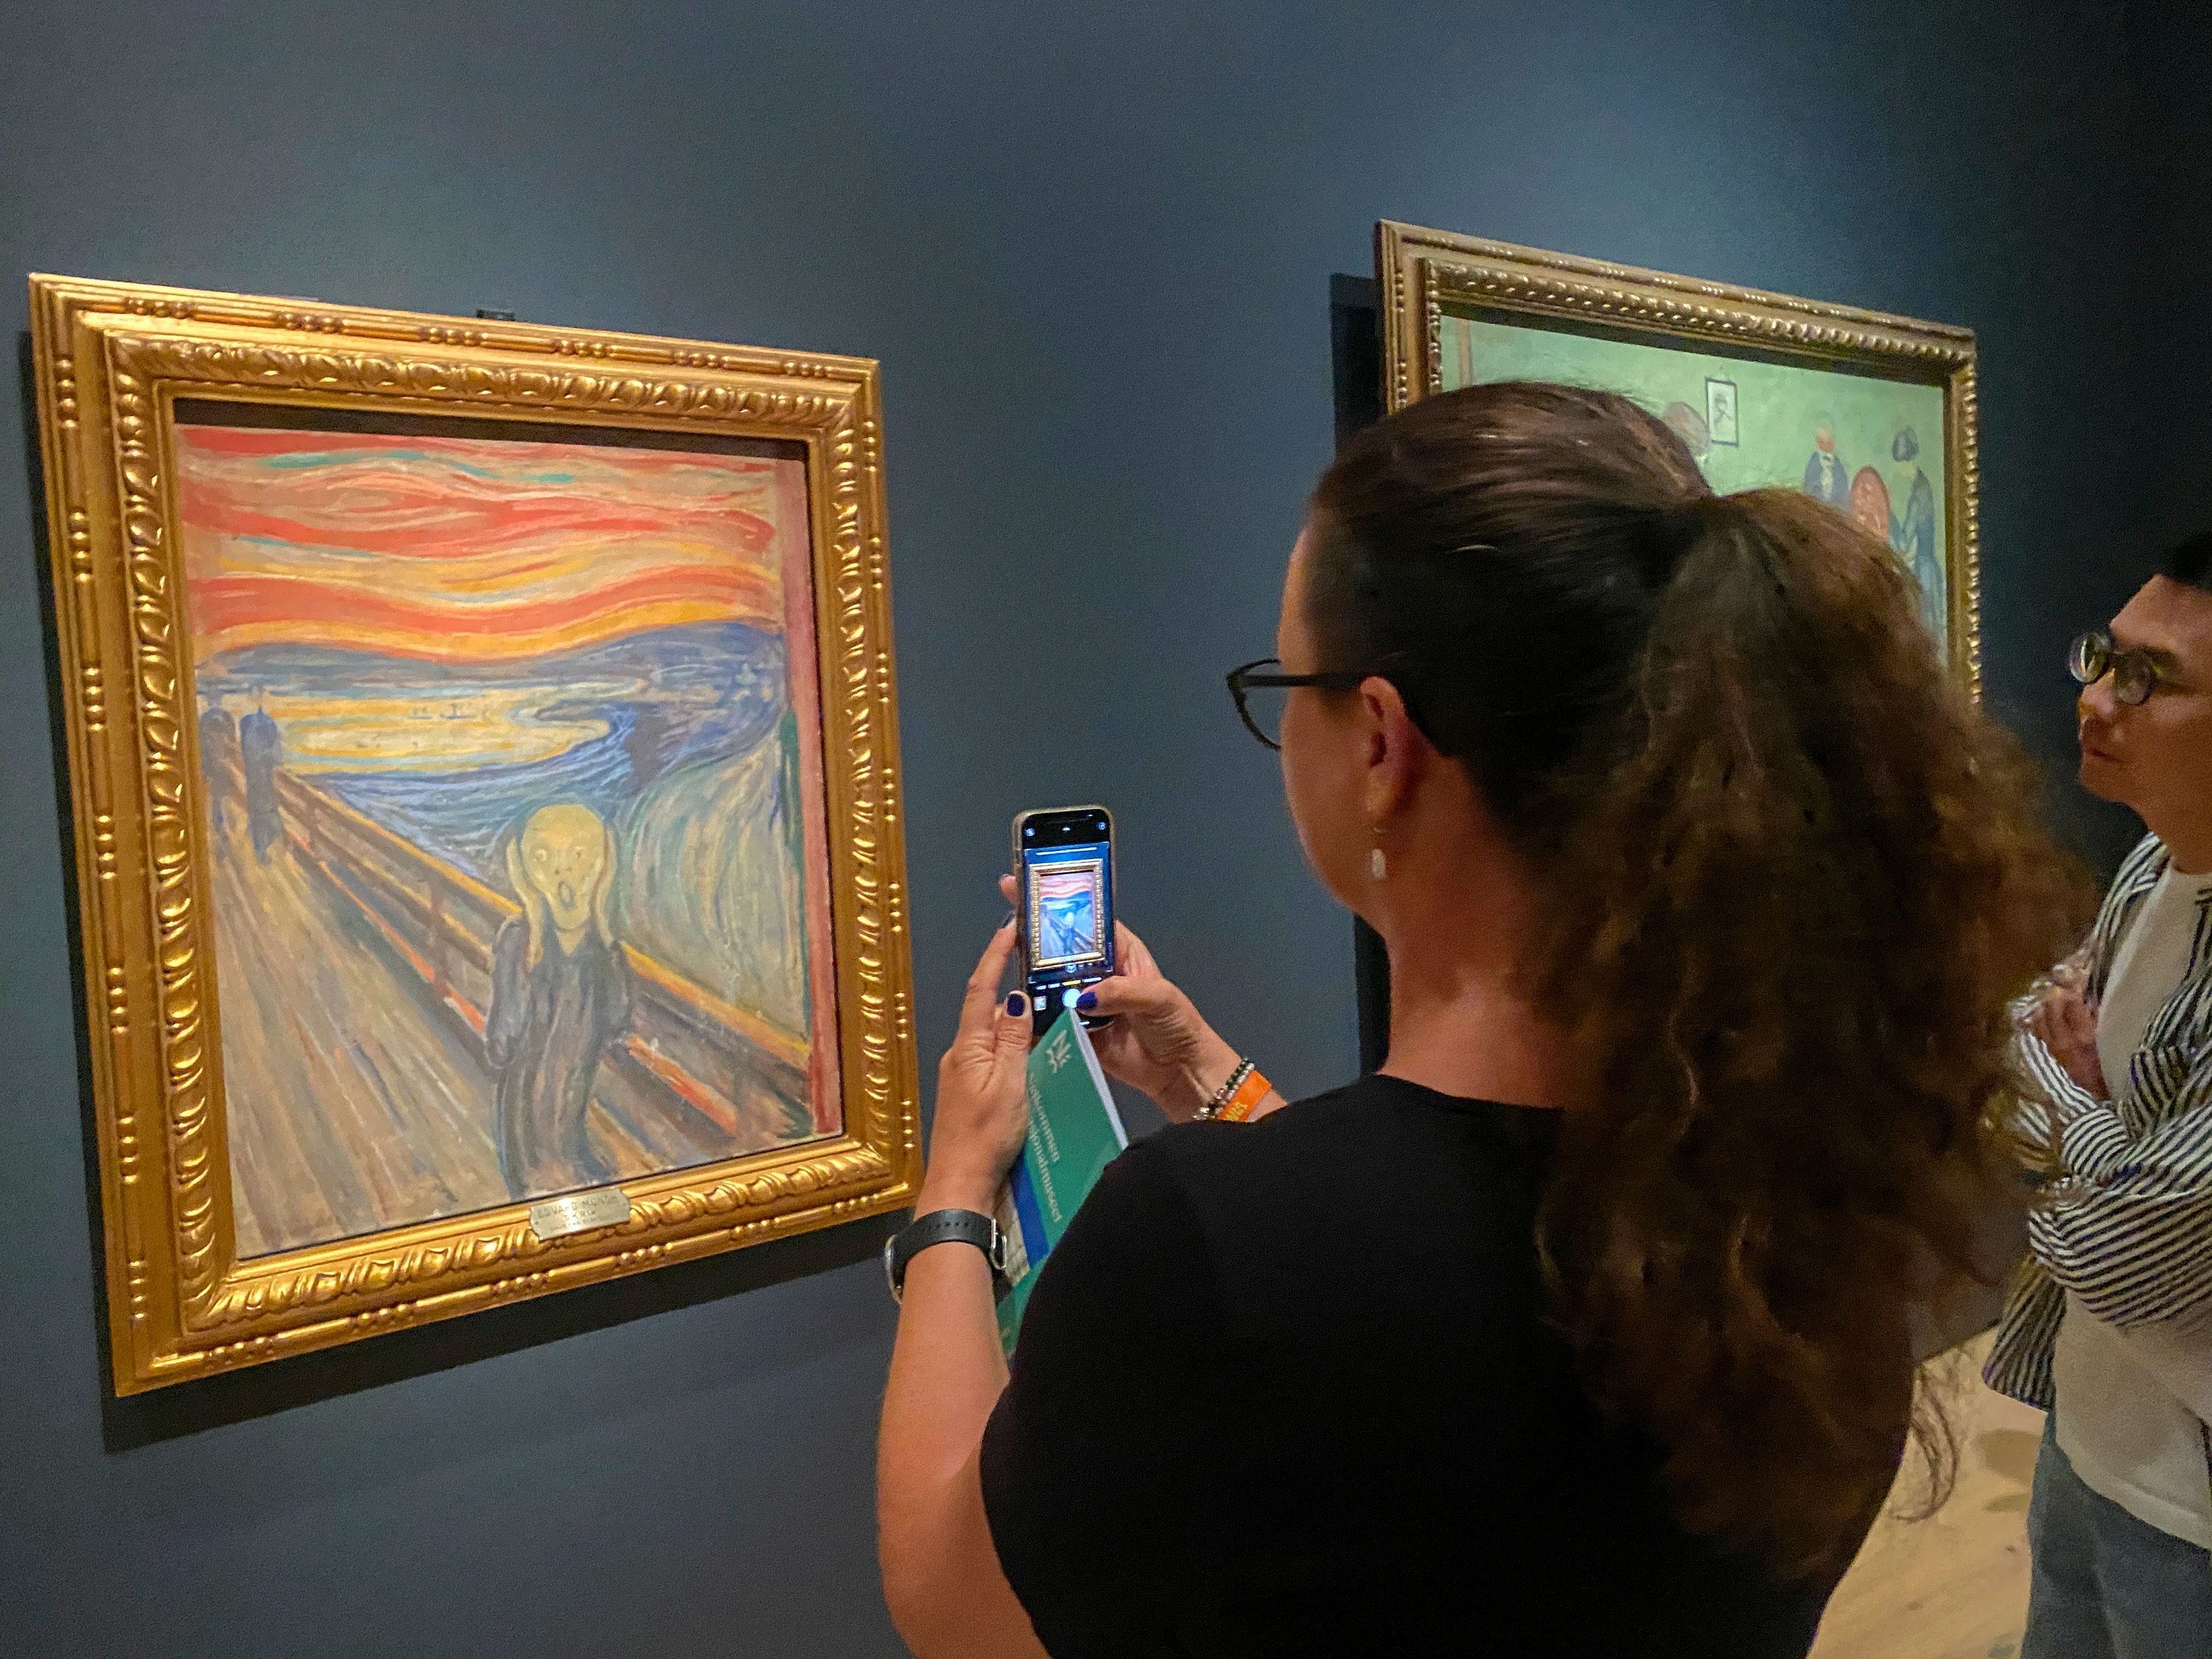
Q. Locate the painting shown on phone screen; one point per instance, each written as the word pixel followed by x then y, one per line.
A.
pixel 1069 899
pixel 514 807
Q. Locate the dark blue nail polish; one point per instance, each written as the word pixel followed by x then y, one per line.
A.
pixel 1018 1005
pixel 1006 918
pixel 1087 1001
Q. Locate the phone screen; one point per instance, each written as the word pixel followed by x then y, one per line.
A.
pixel 1065 866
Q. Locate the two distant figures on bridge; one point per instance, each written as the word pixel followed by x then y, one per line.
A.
pixel 239 755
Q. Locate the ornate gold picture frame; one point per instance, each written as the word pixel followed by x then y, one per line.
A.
pixel 1873 413
pixel 482 746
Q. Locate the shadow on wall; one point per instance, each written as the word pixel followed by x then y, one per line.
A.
pixel 187 1409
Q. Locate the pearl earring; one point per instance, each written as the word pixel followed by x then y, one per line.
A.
pixel 1377 865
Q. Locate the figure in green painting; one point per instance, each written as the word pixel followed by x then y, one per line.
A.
pixel 1870 503
pixel 1913 532
pixel 1827 478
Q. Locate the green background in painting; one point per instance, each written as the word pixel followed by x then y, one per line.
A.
pixel 1778 406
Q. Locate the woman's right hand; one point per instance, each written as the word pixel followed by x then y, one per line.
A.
pixel 1154 1041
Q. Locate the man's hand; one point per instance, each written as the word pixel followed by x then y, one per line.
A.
pixel 2064 1023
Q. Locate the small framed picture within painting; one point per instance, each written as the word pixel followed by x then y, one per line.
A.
pixel 1872 414
pixel 482 739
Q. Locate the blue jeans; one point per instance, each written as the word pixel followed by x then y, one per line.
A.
pixel 2105 1584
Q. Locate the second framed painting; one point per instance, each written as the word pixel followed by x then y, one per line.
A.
pixel 1872 414
pixel 483 743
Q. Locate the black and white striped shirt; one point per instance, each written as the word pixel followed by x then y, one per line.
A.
pixel 2126 1226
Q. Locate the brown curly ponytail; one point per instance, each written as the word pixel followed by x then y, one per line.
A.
pixel 1791 877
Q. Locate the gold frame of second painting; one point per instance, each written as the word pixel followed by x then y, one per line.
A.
pixel 1422 273
pixel 111 359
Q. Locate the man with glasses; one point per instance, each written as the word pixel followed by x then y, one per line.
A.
pixel 2109 1326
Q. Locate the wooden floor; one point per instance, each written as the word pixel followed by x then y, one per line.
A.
pixel 1953 1586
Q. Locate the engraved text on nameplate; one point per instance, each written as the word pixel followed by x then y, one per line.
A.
pixel 579 1212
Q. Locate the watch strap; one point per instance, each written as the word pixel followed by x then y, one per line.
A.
pixel 941 1227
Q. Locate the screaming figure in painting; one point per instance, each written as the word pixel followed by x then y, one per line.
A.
pixel 560 999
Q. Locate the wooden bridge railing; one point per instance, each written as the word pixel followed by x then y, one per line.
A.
pixel 689 1056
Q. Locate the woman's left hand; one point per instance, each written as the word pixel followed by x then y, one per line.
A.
pixel 983 1092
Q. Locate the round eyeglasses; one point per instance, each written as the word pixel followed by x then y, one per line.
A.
pixel 1263 693
pixel 2135 674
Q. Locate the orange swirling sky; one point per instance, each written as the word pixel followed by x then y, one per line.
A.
pixel 468 550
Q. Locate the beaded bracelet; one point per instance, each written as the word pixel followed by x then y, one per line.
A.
pixel 1234 1101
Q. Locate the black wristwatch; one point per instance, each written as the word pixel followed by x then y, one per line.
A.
pixel 942 1227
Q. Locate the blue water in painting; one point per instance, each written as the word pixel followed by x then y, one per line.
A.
pixel 688 694
pixel 679 739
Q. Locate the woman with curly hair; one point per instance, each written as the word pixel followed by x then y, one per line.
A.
pixel 1582 1328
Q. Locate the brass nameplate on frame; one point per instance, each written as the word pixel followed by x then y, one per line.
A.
pixel 579 1212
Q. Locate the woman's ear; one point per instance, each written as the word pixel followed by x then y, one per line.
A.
pixel 1396 748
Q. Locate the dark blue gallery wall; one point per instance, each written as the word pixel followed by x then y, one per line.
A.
pixel 1093 253
pixel 2179 233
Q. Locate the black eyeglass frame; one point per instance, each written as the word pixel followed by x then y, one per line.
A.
pixel 2136 673
pixel 1243 679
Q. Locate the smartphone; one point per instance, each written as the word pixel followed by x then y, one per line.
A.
pixel 1064 876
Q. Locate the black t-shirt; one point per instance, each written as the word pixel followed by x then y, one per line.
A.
pixel 1287 1388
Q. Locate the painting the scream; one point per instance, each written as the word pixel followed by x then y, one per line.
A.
pixel 513 807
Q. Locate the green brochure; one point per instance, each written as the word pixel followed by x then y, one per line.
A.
pixel 1074 1133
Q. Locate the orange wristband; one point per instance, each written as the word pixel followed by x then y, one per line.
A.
pixel 1249 1093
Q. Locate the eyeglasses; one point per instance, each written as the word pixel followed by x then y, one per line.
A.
pixel 2135 674
pixel 1261 696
